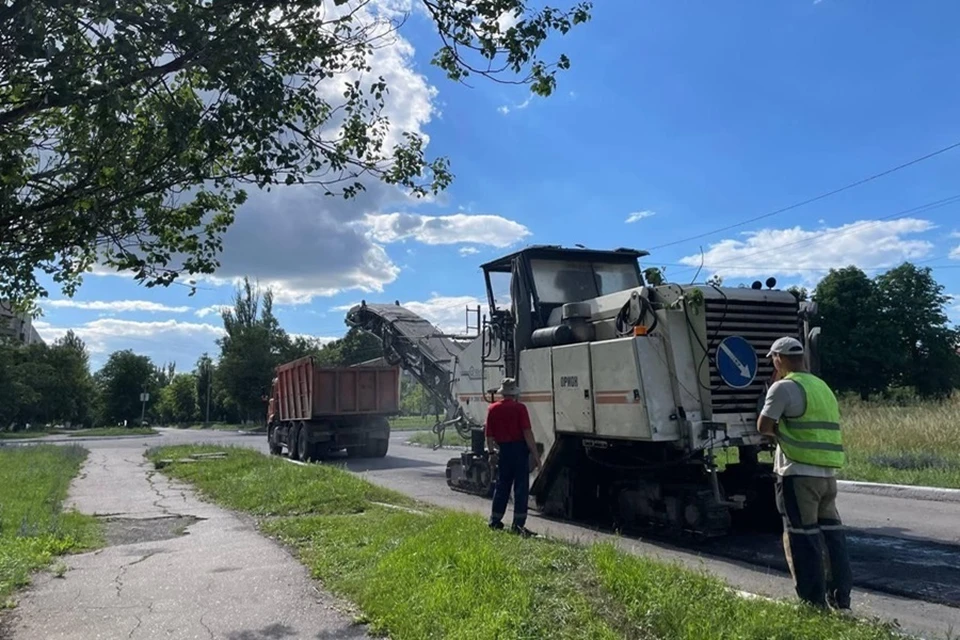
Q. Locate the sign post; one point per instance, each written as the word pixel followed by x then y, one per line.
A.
pixel 143 409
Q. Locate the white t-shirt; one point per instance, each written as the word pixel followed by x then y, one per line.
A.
pixel 786 398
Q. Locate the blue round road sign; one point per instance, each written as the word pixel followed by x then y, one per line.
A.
pixel 736 362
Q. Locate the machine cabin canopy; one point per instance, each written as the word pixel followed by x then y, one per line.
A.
pixel 551 276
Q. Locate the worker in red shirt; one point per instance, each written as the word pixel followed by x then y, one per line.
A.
pixel 508 432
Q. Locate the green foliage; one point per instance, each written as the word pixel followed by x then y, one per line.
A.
pixel 101 432
pixel 250 350
pixel 417 571
pixel 178 400
pixel 120 382
pixel 913 307
pixel 669 601
pixel 890 331
pixel 800 293
pixel 415 401
pixel 41 385
pixel 33 527
pixel 129 131
pixel 858 348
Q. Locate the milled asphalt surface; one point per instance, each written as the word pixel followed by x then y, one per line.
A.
pixel 175 567
pixel 419 472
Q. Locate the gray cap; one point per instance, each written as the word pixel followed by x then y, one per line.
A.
pixel 786 346
pixel 509 387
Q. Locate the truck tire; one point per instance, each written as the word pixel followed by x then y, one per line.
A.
pixel 293 435
pixel 378 448
pixel 304 448
pixel 273 442
pixel 378 442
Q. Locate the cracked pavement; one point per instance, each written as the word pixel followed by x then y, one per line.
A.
pixel 174 567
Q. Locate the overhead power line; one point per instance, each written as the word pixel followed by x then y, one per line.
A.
pixel 811 200
pixel 828 236
pixel 842 231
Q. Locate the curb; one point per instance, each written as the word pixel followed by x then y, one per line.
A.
pixel 908 492
pixel 77 439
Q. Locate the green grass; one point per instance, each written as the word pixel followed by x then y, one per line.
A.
pixel 916 444
pixel 416 571
pixel 114 431
pixel 913 444
pixel 428 438
pixel 412 423
pixel 34 529
pixel 18 435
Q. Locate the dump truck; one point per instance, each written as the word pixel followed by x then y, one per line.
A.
pixel 315 412
pixel 633 388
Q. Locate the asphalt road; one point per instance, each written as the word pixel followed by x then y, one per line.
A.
pixel 906 553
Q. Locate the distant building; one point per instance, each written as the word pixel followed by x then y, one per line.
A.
pixel 19 327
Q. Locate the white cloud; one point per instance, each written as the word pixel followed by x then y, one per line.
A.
pixel 637 216
pixel 469 251
pixel 955 253
pixel 163 341
pixel 868 244
pixel 458 228
pixel 505 109
pixel 447 313
pixel 215 309
pixel 118 306
pixel 305 244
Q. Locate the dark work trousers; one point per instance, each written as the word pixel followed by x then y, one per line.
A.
pixel 513 471
pixel 810 518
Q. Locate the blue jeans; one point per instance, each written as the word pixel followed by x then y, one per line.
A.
pixel 513 472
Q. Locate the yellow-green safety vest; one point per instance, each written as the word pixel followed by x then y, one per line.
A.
pixel 815 437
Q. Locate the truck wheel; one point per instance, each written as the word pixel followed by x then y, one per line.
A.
pixel 273 442
pixel 293 437
pixel 378 448
pixel 304 448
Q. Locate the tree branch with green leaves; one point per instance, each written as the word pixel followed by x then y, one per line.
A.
pixel 130 131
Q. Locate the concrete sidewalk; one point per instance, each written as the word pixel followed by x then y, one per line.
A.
pixel 174 567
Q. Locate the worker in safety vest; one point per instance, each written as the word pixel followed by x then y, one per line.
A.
pixel 802 413
pixel 509 433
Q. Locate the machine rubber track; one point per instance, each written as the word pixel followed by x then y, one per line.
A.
pixel 472 474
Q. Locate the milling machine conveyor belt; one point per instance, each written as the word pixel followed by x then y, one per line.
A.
pixel 414 343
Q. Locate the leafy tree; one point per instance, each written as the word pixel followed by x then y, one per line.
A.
pixel 800 293
pixel 34 384
pixel 858 350
pixel 165 373
pixel 250 350
pixel 203 374
pixel 128 130
pixel 178 400
pixel 359 346
pixel 913 307
pixel 121 381
pixel 73 397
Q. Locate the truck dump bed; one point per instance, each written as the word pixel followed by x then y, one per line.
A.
pixel 306 391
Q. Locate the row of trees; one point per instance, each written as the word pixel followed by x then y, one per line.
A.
pixel 887 332
pixel 53 385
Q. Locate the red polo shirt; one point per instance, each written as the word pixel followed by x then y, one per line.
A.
pixel 507 419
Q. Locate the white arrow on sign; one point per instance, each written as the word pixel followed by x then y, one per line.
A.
pixel 744 369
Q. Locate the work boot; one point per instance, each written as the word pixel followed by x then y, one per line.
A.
pixel 523 531
pixel 496 526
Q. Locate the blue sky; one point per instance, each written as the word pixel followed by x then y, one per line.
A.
pixel 695 115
